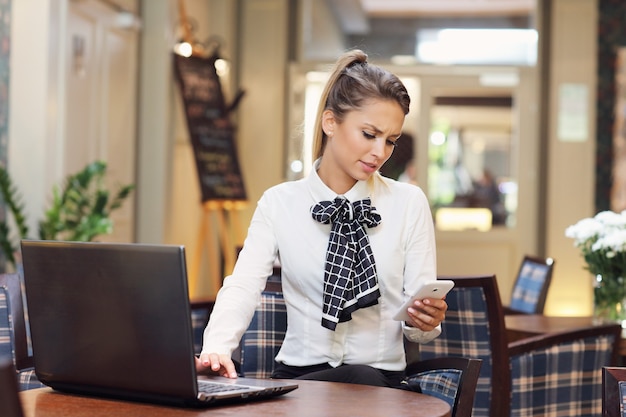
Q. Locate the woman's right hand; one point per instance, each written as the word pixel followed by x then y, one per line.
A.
pixel 214 363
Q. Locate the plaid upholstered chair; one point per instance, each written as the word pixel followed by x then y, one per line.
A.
pixel 13 335
pixel 451 379
pixel 551 374
pixel 262 340
pixel 561 373
pixel 531 286
pixel 474 328
pixel 200 312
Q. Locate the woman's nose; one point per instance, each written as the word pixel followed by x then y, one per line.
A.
pixel 378 147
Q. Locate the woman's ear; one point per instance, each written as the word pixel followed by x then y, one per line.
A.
pixel 328 122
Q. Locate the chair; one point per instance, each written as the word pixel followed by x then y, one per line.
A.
pixel 200 312
pixel 613 391
pixel 13 335
pixel 10 405
pixel 524 377
pixel 531 286
pixel 474 328
pixel 451 379
pixel 561 373
pixel 262 340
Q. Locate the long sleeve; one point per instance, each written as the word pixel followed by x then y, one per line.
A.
pixel 240 292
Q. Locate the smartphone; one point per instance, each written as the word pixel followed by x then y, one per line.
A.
pixel 431 289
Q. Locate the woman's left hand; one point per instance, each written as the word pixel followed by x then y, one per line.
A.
pixel 427 313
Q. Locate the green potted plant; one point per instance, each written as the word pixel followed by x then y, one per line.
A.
pixel 80 209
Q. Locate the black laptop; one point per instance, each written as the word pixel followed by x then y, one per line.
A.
pixel 111 319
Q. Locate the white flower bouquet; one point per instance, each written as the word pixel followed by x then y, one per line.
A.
pixel 602 241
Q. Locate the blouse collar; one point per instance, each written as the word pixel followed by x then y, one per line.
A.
pixel 321 192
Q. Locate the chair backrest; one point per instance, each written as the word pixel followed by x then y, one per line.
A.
pixel 531 285
pixel 474 328
pixel 13 337
pixel 561 373
pixel 200 313
pixel 613 391
pixel 262 340
pixel 451 379
pixel 10 405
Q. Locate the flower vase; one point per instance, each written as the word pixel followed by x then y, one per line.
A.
pixel 609 299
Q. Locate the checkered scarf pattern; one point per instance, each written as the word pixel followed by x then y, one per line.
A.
pixel 350 279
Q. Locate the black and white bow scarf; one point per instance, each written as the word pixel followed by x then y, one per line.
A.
pixel 350 279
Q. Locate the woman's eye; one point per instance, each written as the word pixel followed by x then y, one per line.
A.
pixel 368 135
pixel 393 143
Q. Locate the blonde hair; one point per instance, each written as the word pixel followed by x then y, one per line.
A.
pixel 352 83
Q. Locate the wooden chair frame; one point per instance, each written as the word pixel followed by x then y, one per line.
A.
pixel 611 377
pixel 546 340
pixel 503 352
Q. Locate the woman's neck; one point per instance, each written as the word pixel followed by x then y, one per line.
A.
pixel 339 182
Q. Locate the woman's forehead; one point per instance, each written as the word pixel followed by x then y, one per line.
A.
pixel 381 114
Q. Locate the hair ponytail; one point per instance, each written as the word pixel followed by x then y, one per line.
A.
pixel 353 81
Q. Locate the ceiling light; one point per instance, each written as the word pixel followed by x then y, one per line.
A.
pixel 477 46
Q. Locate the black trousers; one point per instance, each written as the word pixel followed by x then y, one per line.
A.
pixel 351 374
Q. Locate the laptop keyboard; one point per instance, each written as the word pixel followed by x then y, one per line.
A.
pixel 208 387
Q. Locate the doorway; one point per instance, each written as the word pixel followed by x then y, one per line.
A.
pixel 101 100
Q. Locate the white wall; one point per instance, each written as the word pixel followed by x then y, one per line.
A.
pixel 35 150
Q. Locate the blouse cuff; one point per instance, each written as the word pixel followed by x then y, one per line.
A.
pixel 419 336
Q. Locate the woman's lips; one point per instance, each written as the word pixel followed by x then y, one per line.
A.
pixel 370 168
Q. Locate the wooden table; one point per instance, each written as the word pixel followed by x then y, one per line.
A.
pixel 312 398
pixel 519 326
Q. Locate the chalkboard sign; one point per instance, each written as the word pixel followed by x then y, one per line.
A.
pixel 211 132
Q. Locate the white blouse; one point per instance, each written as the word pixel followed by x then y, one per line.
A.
pixel 404 250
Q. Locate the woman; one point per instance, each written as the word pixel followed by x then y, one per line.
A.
pixel 351 244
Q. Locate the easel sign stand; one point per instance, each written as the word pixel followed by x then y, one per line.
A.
pixel 220 179
pixel 226 215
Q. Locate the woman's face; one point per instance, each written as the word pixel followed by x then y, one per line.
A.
pixel 359 145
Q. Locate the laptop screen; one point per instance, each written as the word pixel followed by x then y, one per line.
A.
pixel 110 317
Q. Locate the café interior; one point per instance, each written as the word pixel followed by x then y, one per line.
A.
pixel 515 131
pixel 536 117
